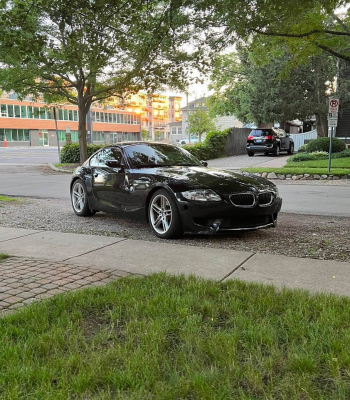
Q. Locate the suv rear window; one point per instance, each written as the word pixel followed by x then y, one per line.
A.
pixel 261 132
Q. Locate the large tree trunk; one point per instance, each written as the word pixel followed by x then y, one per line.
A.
pixel 83 109
pixel 321 125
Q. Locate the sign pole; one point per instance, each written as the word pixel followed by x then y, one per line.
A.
pixel 330 151
pixel 332 123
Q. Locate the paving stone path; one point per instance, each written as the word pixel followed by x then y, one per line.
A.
pixel 24 281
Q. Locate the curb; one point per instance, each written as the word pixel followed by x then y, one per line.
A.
pixel 58 169
pixel 296 177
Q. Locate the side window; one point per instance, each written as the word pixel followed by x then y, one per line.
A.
pixel 110 153
pixel 94 160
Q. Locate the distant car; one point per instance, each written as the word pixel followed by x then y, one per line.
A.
pixel 269 140
pixel 178 193
pixel 186 141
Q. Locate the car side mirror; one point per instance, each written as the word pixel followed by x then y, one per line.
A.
pixel 114 164
pixel 204 163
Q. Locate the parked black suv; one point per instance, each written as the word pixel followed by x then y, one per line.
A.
pixel 269 140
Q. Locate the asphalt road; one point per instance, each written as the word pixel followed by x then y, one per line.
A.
pixel 319 199
pixel 28 156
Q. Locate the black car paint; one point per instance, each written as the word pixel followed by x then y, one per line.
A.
pixel 130 189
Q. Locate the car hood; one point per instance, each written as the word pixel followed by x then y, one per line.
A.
pixel 221 181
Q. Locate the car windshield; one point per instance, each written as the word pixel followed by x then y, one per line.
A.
pixel 261 132
pixel 150 155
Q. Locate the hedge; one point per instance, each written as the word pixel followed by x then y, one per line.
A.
pixel 322 144
pixel 214 146
pixel 318 155
pixel 70 152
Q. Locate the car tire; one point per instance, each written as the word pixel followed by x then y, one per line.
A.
pixel 163 215
pixel 250 154
pixel 291 149
pixel 276 151
pixel 79 199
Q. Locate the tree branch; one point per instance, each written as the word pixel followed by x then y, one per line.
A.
pixel 301 35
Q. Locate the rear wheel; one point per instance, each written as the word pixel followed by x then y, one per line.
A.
pixel 277 151
pixel 79 199
pixel 250 154
pixel 164 216
pixel 291 149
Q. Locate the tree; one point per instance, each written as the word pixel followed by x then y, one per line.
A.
pixel 144 134
pixel 200 122
pixel 303 26
pixel 87 51
pixel 158 134
pixel 272 92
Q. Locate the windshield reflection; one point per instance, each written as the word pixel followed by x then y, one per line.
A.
pixel 159 155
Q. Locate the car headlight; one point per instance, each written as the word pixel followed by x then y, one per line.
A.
pixel 275 190
pixel 201 195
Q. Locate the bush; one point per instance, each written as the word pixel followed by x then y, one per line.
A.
pixel 318 155
pixel 322 144
pixel 302 148
pixel 70 152
pixel 214 146
pixel 342 154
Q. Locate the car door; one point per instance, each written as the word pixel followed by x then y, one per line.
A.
pixel 109 183
pixel 284 141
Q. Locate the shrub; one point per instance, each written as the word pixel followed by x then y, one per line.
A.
pixel 70 152
pixel 319 155
pixel 342 154
pixel 214 146
pixel 322 144
pixel 302 148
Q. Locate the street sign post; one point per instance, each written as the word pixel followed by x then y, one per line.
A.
pixel 333 108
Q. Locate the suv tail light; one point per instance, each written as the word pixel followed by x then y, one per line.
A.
pixel 269 137
pixel 250 137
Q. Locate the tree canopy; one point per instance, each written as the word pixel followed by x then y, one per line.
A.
pixel 272 92
pixel 85 51
pixel 200 122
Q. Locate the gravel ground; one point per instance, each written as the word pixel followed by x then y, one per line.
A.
pixel 296 235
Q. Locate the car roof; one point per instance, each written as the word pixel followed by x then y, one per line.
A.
pixel 128 144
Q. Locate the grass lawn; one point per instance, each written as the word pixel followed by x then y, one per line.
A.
pixel 3 256
pixel 6 199
pixel 298 170
pixel 336 163
pixel 165 337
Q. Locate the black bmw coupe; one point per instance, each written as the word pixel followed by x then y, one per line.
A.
pixel 179 193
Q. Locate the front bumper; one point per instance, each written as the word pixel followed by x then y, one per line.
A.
pixel 210 218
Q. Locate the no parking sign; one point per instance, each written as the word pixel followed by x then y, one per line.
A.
pixel 333 106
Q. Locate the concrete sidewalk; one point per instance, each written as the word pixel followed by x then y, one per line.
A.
pixel 48 262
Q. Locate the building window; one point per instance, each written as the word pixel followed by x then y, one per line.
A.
pixel 17 112
pixel 14 135
pixel 70 115
pixel 98 136
pixel 3 110
pixel 42 113
pixel 10 111
pixel 65 115
pixel 23 111
pixel 36 112
pixel 75 115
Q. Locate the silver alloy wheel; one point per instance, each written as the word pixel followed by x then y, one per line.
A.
pixel 160 214
pixel 78 197
pixel 277 151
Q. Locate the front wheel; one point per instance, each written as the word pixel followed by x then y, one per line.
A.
pixel 79 199
pixel 277 151
pixel 291 149
pixel 164 216
pixel 250 154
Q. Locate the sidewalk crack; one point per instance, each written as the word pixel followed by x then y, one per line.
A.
pixel 91 251
pixel 238 266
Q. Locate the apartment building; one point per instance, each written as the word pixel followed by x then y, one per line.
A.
pixel 31 123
